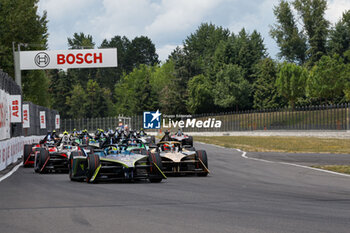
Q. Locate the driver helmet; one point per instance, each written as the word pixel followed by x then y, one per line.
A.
pixel 65 133
pixel 113 150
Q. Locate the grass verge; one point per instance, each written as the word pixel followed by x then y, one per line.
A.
pixel 280 144
pixel 335 168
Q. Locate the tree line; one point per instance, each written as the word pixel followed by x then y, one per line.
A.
pixel 215 70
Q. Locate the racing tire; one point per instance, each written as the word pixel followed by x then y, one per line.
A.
pixel 70 165
pixel 202 155
pixel 26 153
pixel 190 141
pixel 93 163
pixel 41 159
pixel 155 176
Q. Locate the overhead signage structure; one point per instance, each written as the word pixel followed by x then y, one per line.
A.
pixel 66 59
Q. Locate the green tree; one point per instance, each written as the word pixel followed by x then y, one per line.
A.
pixel 291 42
pixel 77 102
pixel 327 79
pixel 339 41
pixel 21 23
pixel 265 92
pixel 81 41
pixel 244 49
pixel 60 88
pixel 78 75
pixel 35 88
pixel 200 47
pixel 312 13
pixel 134 92
pixel 231 90
pixel 200 97
pixel 291 82
pixel 141 50
pixel 96 104
pixel 108 77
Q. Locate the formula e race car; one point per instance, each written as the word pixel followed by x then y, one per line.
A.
pixel 181 160
pixel 115 162
pixel 53 159
pixel 186 140
pixel 29 154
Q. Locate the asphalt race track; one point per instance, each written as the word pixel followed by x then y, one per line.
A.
pixel 240 195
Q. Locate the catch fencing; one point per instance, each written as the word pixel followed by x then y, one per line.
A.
pixel 34 120
pixel 320 117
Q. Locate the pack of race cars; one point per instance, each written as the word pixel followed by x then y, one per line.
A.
pixel 116 155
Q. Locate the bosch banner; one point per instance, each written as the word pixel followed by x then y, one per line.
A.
pixel 42 120
pixel 26 120
pixel 16 113
pixel 66 59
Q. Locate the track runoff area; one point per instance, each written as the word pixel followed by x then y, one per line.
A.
pixel 243 193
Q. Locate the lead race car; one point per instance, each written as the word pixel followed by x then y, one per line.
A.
pixel 178 160
pixel 185 139
pixel 115 162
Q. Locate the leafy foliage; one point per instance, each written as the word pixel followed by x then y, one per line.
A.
pixel 265 92
pixel 21 24
pixel 327 78
pixel 291 42
pixel 291 82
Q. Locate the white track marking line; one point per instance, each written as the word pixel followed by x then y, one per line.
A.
pixel 244 155
pixel 11 172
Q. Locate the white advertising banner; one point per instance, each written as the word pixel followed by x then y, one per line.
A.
pixel 12 149
pixel 42 120
pixel 4 115
pixel 16 110
pixel 57 122
pixel 26 120
pixel 66 59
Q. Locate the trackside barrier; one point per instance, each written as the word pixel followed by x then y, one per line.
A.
pixel 12 149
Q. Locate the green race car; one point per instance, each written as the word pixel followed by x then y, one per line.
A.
pixel 115 162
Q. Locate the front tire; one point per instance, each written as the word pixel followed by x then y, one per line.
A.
pixel 93 164
pixel 155 176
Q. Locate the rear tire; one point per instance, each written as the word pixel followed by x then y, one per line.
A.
pixel 202 155
pixel 41 159
pixel 26 152
pixel 70 165
pixel 155 176
pixel 190 141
